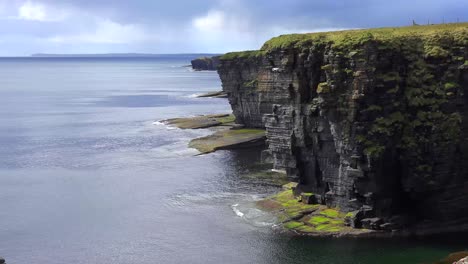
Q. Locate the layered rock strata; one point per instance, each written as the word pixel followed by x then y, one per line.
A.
pixel 373 122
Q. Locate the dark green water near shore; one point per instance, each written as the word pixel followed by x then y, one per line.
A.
pixel 88 175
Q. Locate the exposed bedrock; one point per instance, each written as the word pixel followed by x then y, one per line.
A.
pixel 368 120
pixel 205 63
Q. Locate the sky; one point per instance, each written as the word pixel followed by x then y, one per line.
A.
pixel 195 26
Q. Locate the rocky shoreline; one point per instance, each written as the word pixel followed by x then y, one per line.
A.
pixel 227 134
pixel 217 94
pixel 303 214
pixel 370 123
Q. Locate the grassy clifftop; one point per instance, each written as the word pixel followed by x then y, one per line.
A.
pixel 456 34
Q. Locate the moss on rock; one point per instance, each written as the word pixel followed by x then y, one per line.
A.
pixel 323 88
pixel 317 220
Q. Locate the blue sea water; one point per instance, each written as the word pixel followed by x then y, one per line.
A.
pixel 89 175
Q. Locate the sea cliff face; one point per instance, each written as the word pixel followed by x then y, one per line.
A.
pixel 373 122
pixel 205 63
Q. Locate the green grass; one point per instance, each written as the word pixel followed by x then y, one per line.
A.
pixel 329 228
pixel 245 131
pixel 350 215
pixel 242 54
pixel 318 219
pixel 306 229
pixel 313 219
pixel 456 33
pixel 450 85
pixel 332 213
pixel 357 37
pixel 293 224
pixel 323 88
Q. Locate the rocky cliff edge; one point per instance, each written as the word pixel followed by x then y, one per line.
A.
pixel 373 122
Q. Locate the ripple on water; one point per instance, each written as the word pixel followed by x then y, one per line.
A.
pixel 244 206
pixel 254 216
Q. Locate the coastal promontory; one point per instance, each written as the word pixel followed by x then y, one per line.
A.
pixel 205 63
pixel 370 123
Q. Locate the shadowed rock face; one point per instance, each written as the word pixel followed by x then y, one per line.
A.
pixel 374 120
pixel 205 63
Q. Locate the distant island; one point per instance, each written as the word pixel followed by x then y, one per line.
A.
pixel 120 55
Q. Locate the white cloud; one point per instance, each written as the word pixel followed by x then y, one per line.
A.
pixel 219 30
pixel 32 11
pixel 109 32
pixel 217 21
pixel 39 12
pixel 213 21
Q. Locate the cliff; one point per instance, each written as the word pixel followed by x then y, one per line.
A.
pixel 373 122
pixel 205 63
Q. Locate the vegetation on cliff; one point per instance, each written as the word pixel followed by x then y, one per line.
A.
pixel 374 120
pixel 351 38
pixel 302 214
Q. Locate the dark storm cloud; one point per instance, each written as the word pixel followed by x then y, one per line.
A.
pixel 359 13
pixel 196 26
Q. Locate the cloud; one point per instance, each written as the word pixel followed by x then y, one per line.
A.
pixel 213 21
pixel 107 32
pixel 32 11
pixel 217 28
pixel 239 29
pixel 221 23
pixel 39 12
pixel 30 26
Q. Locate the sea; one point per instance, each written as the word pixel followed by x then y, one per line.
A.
pixel 90 174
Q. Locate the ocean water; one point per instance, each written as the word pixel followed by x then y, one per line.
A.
pixel 89 175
